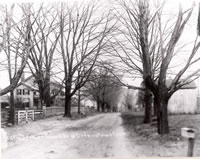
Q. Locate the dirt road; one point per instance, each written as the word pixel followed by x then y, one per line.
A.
pixel 98 136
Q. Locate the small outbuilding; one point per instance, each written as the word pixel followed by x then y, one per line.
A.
pixel 184 101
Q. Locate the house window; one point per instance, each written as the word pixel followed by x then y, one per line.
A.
pixel 19 91
pixel 26 92
pixel 35 93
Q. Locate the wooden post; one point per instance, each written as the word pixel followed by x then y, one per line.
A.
pixel 26 116
pixel 18 117
pixel 26 113
pixel 190 134
pixel 190 147
pixel 33 114
pixel 44 111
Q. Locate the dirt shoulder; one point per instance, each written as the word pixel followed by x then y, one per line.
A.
pixel 172 145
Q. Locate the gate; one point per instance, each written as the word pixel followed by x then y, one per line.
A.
pixel 25 115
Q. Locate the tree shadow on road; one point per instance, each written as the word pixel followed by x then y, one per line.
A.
pixel 133 124
pixel 131 120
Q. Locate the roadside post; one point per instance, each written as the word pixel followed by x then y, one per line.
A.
pixel 189 133
pixel 26 109
pixel 44 110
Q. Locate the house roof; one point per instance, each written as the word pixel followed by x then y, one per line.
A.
pixel 24 83
pixel 35 88
pixel 25 80
pixel 28 78
pixel 30 87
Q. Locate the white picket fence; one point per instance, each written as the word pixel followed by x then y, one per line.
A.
pixel 51 111
pixel 27 115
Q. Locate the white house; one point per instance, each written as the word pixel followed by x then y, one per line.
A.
pixel 184 101
pixel 27 93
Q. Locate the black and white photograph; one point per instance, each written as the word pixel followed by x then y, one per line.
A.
pixel 99 79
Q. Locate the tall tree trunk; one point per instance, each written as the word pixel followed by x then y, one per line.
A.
pixel 154 108
pixel 11 118
pixel 79 101
pixel 67 107
pixel 79 93
pixel 161 103
pixel 47 97
pixel 41 92
pixel 147 105
pixel 103 106
pixel 67 102
pixel 98 106
pixel 108 107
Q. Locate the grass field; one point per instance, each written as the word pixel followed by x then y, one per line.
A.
pixel 169 145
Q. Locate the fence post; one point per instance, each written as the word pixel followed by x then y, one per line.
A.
pixel 44 111
pixel 18 117
pixel 26 113
pixel 33 115
pixel 190 134
pixel 190 147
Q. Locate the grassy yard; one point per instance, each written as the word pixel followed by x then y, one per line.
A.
pixel 167 145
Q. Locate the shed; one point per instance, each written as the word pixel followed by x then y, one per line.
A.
pixel 184 101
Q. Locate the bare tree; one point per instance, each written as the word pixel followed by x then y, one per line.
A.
pixel 93 87
pixel 83 36
pixel 17 49
pixel 129 99
pixel 44 37
pixel 162 92
pixel 15 45
pixel 155 51
pixel 138 35
pixel 102 86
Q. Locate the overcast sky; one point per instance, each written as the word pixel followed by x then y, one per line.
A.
pixel 171 8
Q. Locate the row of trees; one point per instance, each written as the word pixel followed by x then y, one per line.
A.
pixel 59 38
pixel 103 87
pixel 71 39
pixel 149 46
